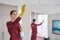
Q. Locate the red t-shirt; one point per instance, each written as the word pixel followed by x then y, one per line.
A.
pixel 14 29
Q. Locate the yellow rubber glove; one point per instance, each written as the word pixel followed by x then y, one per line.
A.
pixel 22 11
pixel 21 29
pixel 21 33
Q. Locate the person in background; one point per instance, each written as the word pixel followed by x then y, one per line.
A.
pixel 34 29
pixel 13 25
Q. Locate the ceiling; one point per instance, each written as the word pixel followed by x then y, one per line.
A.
pixel 11 2
pixel 50 2
pixel 35 2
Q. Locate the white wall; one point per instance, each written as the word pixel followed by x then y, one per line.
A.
pixel 50 18
pixel 26 25
pixel 4 17
pixel 44 9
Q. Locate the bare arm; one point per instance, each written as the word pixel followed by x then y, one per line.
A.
pixel 40 23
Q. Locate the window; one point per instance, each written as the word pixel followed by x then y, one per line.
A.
pixel 42 29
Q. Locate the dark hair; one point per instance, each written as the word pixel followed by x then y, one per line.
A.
pixel 34 20
pixel 12 12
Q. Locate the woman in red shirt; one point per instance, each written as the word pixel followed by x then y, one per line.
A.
pixel 13 26
pixel 34 29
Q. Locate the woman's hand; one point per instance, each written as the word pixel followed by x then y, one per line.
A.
pixel 23 8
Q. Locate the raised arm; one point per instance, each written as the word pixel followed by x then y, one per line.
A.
pixel 40 23
pixel 22 11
